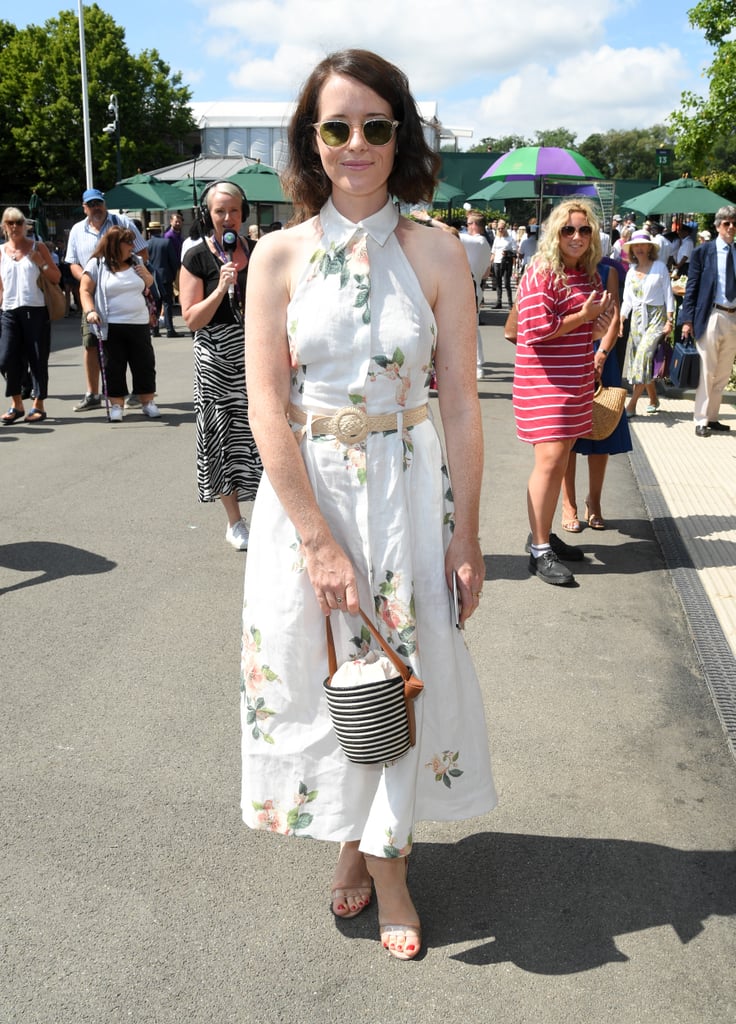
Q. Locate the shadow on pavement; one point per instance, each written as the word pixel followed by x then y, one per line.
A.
pixel 554 905
pixel 52 562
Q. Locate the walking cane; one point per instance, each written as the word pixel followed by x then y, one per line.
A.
pixel 98 334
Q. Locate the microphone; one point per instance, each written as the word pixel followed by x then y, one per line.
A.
pixel 230 244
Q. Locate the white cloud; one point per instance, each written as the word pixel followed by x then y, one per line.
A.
pixel 591 92
pixel 498 69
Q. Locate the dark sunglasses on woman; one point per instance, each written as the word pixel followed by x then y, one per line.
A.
pixel 569 230
pixel 377 131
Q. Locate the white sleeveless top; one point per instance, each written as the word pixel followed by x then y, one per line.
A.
pixel 20 282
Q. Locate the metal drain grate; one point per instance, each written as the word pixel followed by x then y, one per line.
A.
pixel 713 650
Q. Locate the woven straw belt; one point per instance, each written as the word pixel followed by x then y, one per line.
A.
pixel 351 424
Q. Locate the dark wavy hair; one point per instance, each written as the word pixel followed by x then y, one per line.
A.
pixel 416 166
pixel 108 248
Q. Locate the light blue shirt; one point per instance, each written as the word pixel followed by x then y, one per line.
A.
pixel 83 240
pixel 721 253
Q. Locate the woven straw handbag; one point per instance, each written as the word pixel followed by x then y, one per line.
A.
pixel 608 407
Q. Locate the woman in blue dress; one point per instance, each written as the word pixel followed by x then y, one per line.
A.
pixel 617 443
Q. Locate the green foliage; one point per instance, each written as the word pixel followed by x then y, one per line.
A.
pixel 628 154
pixel 560 137
pixel 42 145
pixel 501 145
pixel 703 126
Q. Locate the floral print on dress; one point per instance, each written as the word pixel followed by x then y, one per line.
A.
pixel 449 515
pixel 445 767
pixel 397 615
pixel 256 714
pixel 391 850
pixel 270 818
pixel 348 261
pixel 254 676
pixel 391 367
pixel 355 461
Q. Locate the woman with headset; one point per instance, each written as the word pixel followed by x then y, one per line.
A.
pixel 212 292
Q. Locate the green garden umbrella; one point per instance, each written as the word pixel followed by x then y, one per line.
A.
pixel 260 183
pixel 446 193
pixel 683 195
pixel 143 192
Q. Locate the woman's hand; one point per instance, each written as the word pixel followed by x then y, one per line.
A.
pixel 228 277
pixel 332 576
pixel 465 559
pixel 596 305
pixel 144 273
pixel 603 321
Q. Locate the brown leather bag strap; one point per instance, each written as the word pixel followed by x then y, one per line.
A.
pixel 415 685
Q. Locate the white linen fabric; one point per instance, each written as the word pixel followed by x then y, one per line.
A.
pixel 20 282
pixel 361 334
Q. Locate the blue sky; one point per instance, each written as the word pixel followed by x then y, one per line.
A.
pixel 494 68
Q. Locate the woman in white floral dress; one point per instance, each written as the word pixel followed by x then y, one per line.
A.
pixel 350 311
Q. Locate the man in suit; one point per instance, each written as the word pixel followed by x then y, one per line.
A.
pixel 164 264
pixel 709 316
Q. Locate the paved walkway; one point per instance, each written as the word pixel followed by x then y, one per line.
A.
pixel 697 478
pixel 603 887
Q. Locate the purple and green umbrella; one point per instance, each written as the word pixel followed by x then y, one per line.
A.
pixel 541 162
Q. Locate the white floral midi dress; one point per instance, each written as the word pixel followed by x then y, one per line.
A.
pixel 361 334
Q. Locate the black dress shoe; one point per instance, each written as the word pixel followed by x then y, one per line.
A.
pixel 497 306
pixel 173 334
pixel 565 551
pixel 720 427
pixel 550 570
pixel 702 431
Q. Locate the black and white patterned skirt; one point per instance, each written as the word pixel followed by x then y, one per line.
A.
pixel 227 457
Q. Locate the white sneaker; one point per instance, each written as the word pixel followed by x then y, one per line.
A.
pixel 238 535
pixel 116 413
pixel 151 410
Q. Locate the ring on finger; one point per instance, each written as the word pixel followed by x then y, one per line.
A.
pixel 339 600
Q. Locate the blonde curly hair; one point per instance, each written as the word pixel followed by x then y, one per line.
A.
pixel 548 258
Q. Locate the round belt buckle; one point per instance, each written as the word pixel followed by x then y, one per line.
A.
pixel 350 425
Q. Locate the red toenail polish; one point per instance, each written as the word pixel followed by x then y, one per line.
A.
pixel 409 948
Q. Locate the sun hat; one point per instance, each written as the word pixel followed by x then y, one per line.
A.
pixel 705 235
pixel 92 193
pixel 154 225
pixel 616 218
pixel 641 238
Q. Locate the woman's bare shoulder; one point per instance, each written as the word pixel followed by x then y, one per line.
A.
pixel 279 248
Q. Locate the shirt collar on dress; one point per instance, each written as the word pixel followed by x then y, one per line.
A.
pixel 338 229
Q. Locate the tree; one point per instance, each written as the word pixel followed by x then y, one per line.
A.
pixel 626 154
pixel 42 145
pixel 559 137
pixel 500 145
pixel 703 124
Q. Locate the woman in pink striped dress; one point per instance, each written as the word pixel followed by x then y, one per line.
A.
pixel 563 308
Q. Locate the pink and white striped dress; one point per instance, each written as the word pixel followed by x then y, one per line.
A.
pixel 553 377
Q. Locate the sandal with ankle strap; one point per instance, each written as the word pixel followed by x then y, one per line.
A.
pixel 572 524
pixel 595 522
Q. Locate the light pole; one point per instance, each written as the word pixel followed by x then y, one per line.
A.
pixel 114 128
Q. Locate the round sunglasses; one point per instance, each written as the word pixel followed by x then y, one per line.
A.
pixel 377 131
pixel 569 230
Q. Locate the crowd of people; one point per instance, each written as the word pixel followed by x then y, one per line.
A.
pixel 361 506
